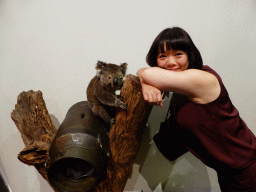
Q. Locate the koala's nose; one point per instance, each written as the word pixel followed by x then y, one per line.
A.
pixel 115 80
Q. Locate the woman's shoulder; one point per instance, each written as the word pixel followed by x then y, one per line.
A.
pixel 212 71
pixel 202 77
pixel 206 85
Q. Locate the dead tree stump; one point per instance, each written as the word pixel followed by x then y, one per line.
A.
pixel 37 131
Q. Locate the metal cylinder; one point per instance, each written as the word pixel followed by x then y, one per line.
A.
pixel 79 153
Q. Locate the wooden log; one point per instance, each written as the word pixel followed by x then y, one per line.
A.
pixel 125 136
pixel 37 131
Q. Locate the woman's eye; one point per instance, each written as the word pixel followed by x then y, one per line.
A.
pixel 178 54
pixel 162 56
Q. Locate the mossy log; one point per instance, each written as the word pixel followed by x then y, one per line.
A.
pixel 37 131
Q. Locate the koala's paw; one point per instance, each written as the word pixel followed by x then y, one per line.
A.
pixel 121 104
pixel 124 105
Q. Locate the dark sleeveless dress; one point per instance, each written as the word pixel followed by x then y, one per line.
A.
pixel 216 134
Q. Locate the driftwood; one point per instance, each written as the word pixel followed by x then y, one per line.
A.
pixel 36 128
pixel 37 131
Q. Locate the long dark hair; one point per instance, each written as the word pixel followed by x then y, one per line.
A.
pixel 177 39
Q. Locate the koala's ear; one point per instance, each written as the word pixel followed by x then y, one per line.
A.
pixel 123 67
pixel 100 65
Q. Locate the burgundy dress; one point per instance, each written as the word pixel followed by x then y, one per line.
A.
pixel 216 134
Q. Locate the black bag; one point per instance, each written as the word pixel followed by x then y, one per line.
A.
pixel 168 139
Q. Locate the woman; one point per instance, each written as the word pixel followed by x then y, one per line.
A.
pixel 209 125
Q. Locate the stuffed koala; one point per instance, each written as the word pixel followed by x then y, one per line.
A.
pixel 101 91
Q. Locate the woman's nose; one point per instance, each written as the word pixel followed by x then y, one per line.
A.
pixel 171 61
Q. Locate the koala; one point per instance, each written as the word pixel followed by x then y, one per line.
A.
pixel 101 91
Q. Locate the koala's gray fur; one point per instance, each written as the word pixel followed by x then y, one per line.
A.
pixel 101 91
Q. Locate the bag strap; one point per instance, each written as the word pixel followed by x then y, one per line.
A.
pixel 171 110
pixel 167 115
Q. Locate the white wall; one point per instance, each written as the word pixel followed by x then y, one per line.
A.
pixel 53 46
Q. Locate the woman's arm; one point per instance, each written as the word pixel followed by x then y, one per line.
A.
pixel 199 86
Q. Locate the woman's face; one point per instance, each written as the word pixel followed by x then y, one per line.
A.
pixel 174 60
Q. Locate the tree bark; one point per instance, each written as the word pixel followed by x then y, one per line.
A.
pixel 37 131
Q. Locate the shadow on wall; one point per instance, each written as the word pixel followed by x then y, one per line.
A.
pixel 55 121
pixel 187 172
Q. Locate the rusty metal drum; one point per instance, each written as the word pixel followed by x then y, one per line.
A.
pixel 79 154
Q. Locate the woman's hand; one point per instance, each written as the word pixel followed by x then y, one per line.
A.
pixel 152 95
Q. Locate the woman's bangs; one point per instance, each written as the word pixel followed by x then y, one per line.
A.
pixel 175 44
pixel 164 45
